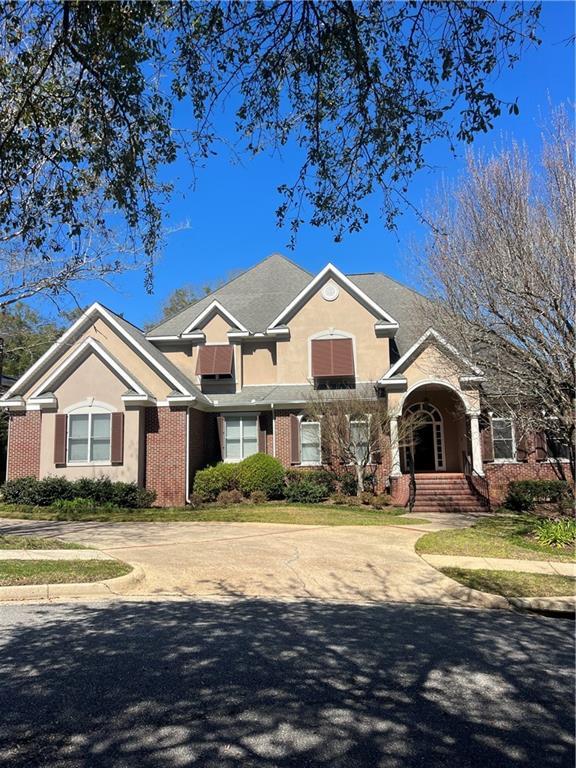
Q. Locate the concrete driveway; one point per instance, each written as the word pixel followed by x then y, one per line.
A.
pixel 341 563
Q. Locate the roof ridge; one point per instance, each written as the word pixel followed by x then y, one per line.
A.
pixel 229 282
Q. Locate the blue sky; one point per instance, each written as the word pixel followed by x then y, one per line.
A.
pixel 231 212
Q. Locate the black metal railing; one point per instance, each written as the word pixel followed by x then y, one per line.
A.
pixel 477 483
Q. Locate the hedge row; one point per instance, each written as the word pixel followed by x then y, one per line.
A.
pixel 101 491
pixel 524 495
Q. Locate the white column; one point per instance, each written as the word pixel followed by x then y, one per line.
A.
pixel 475 440
pixel 394 448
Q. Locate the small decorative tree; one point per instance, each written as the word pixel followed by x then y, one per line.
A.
pixel 355 424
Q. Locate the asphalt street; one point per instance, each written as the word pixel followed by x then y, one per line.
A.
pixel 277 684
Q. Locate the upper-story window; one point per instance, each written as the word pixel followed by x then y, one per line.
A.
pixel 556 448
pixel 240 436
pixel 89 437
pixel 215 361
pixel 503 438
pixel 332 363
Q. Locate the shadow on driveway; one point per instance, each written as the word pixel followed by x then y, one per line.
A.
pixel 270 684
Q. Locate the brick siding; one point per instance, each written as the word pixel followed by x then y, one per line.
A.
pixel 284 453
pixel 165 451
pixel 24 445
pixel 500 475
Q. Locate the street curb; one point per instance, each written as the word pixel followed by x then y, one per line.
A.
pixel 562 607
pixel 118 586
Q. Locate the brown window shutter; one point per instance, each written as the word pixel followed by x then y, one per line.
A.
pixel 220 422
pixel 486 437
pixel 540 446
pixel 117 438
pixel 215 359
pixel 332 358
pixel 522 446
pixel 262 433
pixel 60 435
pixel 294 439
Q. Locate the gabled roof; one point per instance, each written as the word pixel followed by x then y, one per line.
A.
pixel 215 307
pixel 331 271
pixel 129 333
pixel 90 345
pixel 254 298
pixel 429 337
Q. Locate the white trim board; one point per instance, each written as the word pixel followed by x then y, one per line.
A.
pixel 351 287
pixel 213 306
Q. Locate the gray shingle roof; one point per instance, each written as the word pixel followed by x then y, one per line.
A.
pixel 159 357
pixel 254 298
pixel 279 394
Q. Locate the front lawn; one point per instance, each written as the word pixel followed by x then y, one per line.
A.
pixel 507 536
pixel 295 514
pixel 9 541
pixel 513 583
pixel 17 572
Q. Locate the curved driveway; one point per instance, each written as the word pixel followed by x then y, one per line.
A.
pixel 340 563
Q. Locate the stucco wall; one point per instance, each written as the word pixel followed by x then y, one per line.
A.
pixel 343 314
pixel 92 379
pixel 259 363
pixel 108 338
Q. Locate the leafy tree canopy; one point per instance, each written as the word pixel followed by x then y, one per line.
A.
pixel 27 335
pixel 88 90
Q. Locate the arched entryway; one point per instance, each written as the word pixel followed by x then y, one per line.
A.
pixel 440 437
pixel 425 442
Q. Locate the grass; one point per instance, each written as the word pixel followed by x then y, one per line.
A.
pixel 295 514
pixel 504 535
pixel 35 542
pixel 17 572
pixel 513 583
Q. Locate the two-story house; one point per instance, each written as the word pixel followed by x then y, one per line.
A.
pixel 230 375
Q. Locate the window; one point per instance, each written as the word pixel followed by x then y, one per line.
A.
pixel 241 437
pixel 89 437
pixel 359 440
pixel 311 452
pixel 503 439
pixel 556 448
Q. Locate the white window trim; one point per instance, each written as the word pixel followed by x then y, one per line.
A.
pixel 98 411
pixel 513 459
pixel 367 422
pixel 319 424
pixel 242 416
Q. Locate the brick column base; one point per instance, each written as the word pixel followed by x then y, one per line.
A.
pixel 165 451
pixel 24 432
pixel 400 489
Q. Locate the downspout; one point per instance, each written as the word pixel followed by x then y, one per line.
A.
pixel 187 486
pixel 273 430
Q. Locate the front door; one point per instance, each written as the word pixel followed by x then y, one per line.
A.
pixel 424 449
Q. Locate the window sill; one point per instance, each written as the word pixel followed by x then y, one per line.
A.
pixel 508 461
pixel 88 464
pixel 310 463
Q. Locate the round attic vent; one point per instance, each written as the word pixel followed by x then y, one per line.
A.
pixel 330 291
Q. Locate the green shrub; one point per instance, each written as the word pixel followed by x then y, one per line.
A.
pixel 524 495
pixel 23 490
pixel 556 533
pixel 261 472
pixel 75 505
pixel 319 476
pixel 307 492
pixel 53 490
pixel 257 497
pixel 209 482
pixel 338 498
pixel 348 484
